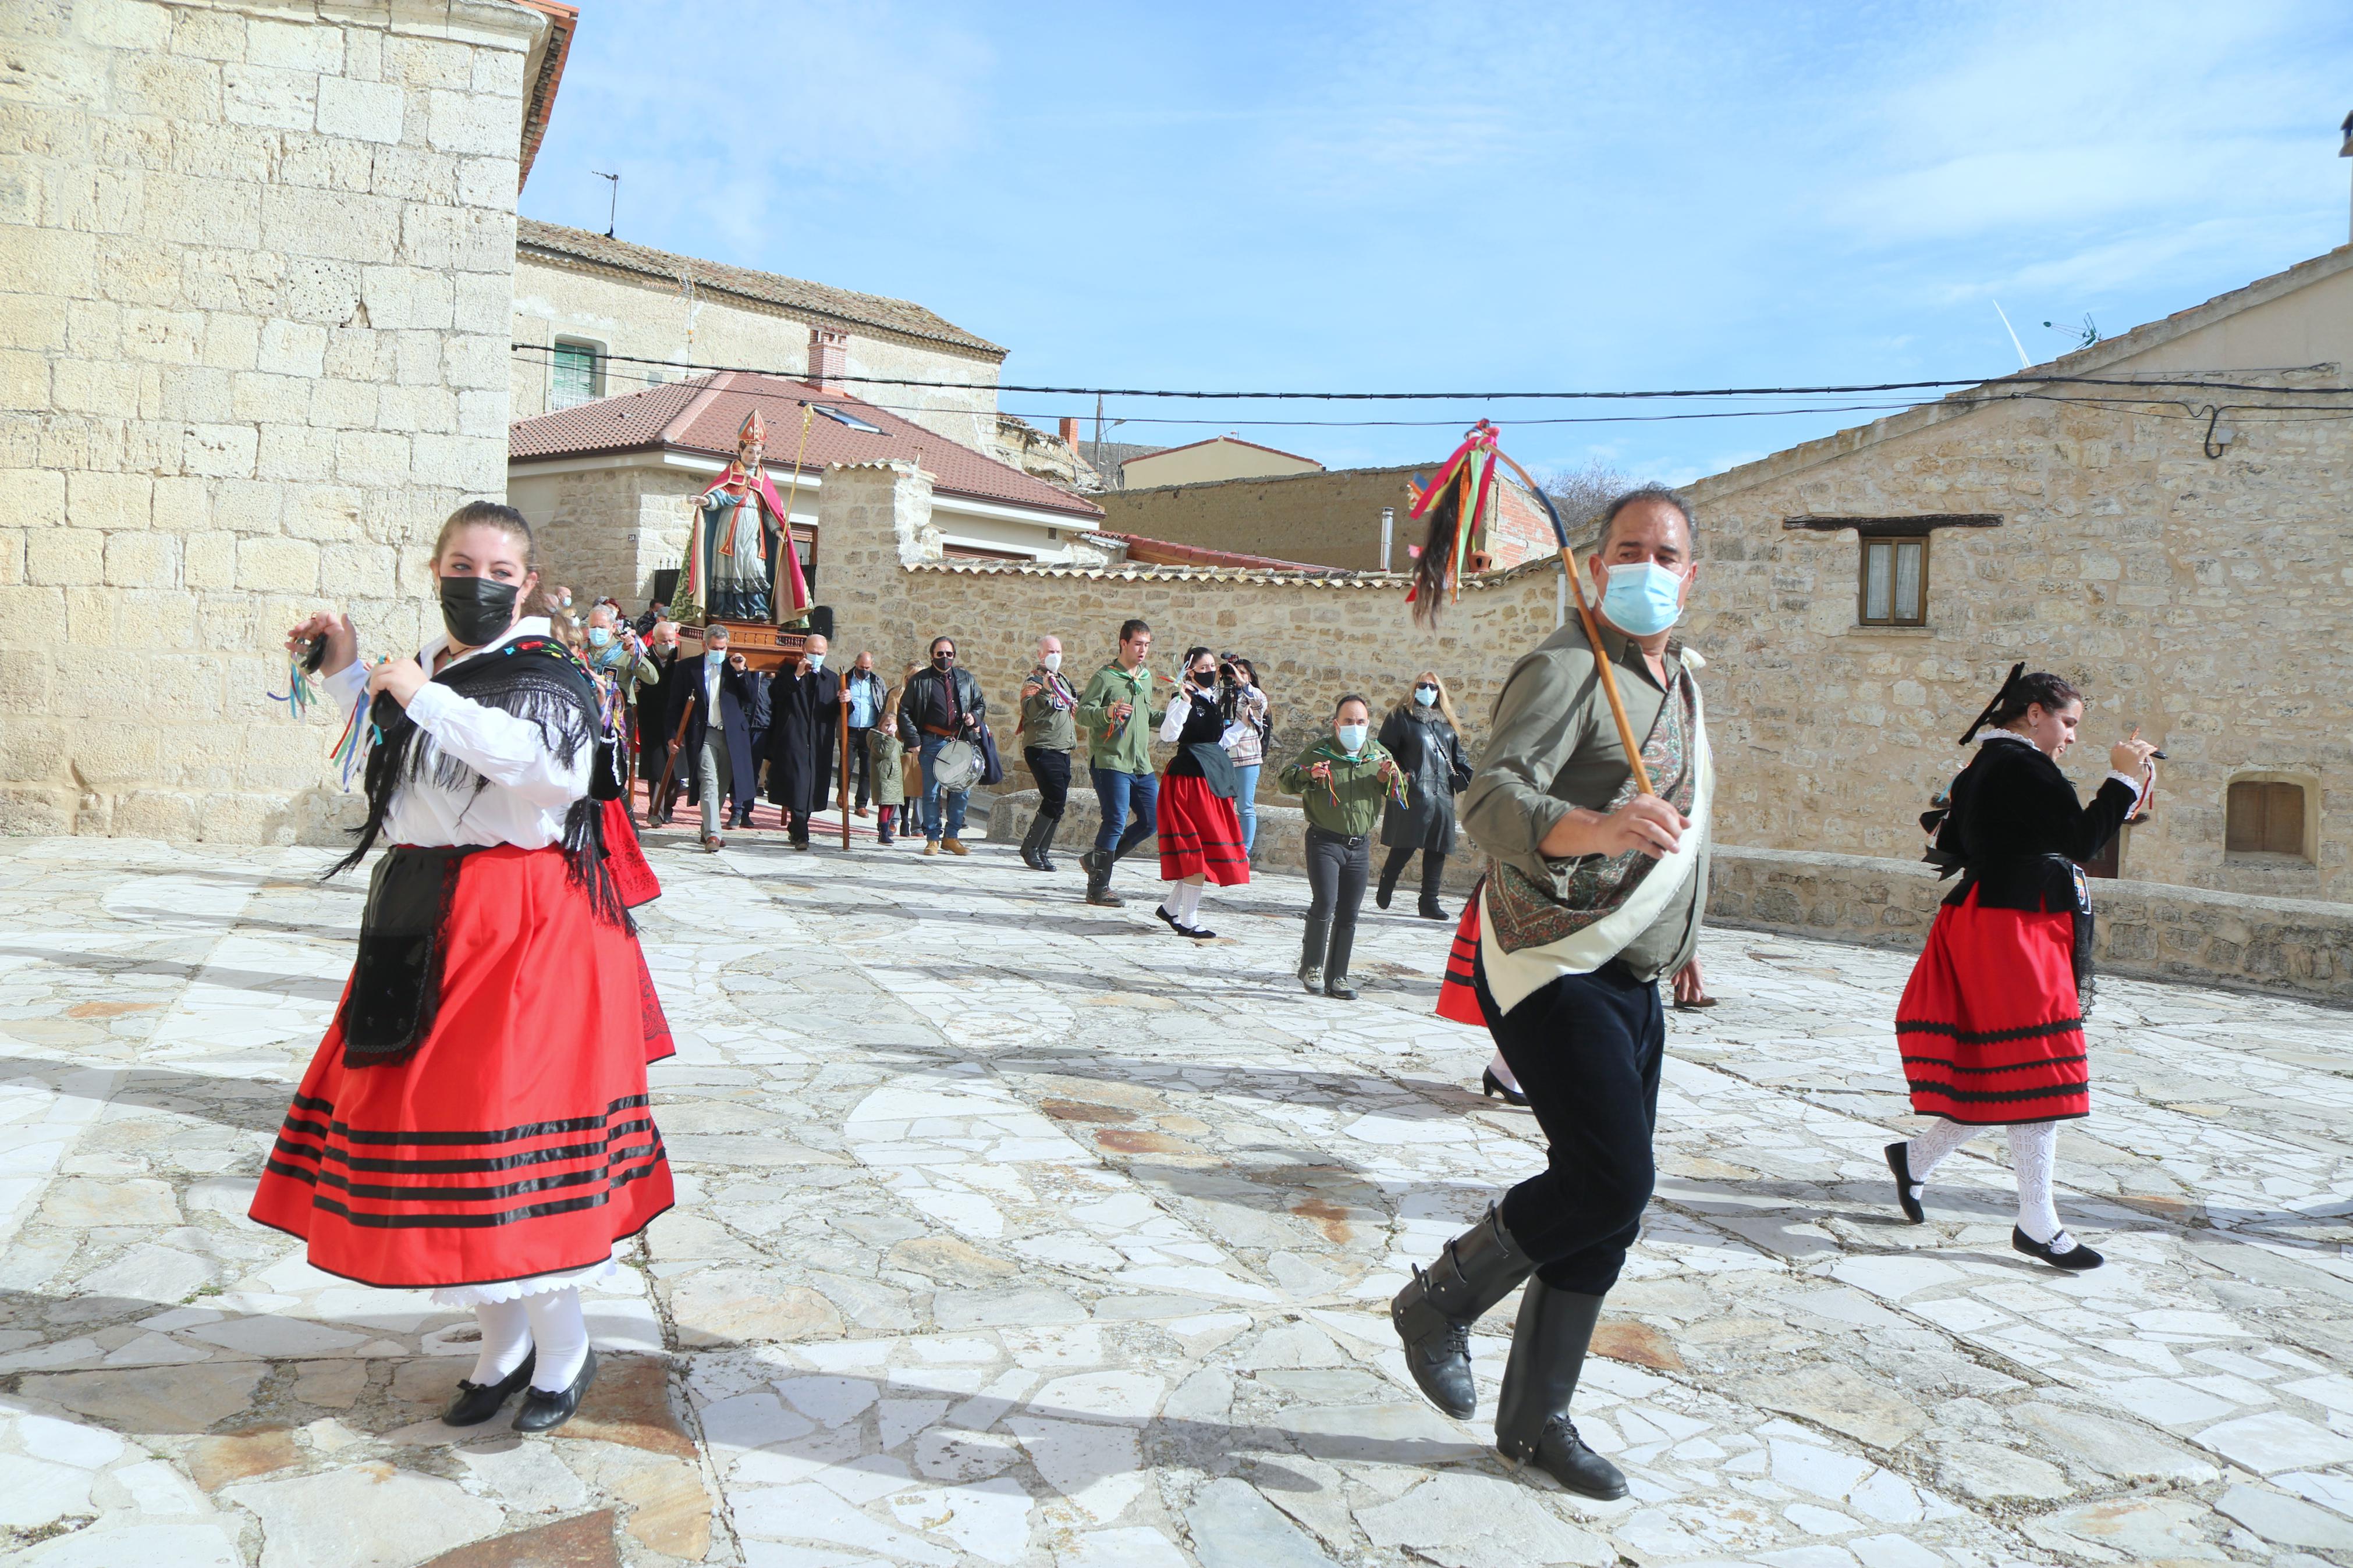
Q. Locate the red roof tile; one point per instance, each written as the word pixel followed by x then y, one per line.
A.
pixel 702 415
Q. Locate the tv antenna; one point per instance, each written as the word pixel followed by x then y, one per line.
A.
pixel 2085 335
pixel 613 210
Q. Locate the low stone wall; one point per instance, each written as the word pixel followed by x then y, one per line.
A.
pixel 2146 929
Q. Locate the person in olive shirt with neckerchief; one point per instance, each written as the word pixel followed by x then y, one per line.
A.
pixel 1341 782
pixel 1593 895
pixel 1116 713
pixel 1050 733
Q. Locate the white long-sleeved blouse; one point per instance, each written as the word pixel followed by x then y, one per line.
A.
pixel 529 788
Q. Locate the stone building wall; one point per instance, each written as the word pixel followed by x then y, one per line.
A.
pixel 1323 519
pixel 608 530
pixel 629 314
pixel 2202 599
pixel 255 283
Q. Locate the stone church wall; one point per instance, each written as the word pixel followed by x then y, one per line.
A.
pixel 256 272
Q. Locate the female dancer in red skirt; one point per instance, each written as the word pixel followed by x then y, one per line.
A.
pixel 1200 833
pixel 1992 1025
pixel 476 1120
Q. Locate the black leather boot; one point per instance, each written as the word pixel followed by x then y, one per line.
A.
pixel 1433 1315
pixel 1029 842
pixel 1386 888
pixel 1099 892
pixel 1433 872
pixel 1532 1423
pixel 1335 962
pixel 1046 842
pixel 1311 953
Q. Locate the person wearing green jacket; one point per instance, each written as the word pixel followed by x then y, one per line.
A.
pixel 1342 781
pixel 1116 713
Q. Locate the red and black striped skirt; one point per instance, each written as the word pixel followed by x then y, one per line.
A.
pixel 518 1138
pixel 1200 833
pixel 1990 1027
pixel 1458 993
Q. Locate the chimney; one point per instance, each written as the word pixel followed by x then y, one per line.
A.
pixel 1070 431
pixel 828 357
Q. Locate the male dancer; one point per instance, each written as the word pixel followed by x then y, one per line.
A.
pixel 1593 894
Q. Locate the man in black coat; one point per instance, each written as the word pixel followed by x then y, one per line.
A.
pixel 657 712
pixel 756 713
pixel 804 721
pixel 941 704
pixel 718 683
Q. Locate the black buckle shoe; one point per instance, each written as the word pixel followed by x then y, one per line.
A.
pixel 2076 1260
pixel 544 1411
pixel 478 1402
pixel 1899 1161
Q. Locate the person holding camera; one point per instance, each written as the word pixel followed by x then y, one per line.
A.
pixel 1424 736
pixel 1243 703
pixel 1200 837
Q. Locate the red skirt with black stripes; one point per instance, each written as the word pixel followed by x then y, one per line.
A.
pixel 1990 1027
pixel 518 1139
pixel 1200 833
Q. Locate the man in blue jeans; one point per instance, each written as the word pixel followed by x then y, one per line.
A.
pixel 941 704
pixel 1116 713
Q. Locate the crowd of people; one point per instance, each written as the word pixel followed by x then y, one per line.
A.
pixel 498 922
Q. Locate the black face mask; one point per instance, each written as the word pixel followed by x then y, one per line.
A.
pixel 477 610
pixel 943 660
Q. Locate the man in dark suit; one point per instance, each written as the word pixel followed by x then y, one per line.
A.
pixel 657 712
pixel 722 752
pixel 757 712
pixel 804 709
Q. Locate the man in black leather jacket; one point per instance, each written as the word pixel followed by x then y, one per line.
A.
pixel 941 704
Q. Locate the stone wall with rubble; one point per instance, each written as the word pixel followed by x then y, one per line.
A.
pixel 255 283
pixel 626 314
pixel 2205 599
pixel 608 530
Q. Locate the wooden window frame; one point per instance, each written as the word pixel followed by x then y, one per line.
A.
pixel 2306 792
pixel 1894 543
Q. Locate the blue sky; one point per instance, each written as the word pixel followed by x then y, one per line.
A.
pixel 1439 196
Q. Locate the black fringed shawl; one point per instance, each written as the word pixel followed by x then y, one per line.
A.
pixel 533 678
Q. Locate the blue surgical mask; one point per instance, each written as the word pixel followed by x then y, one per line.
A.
pixel 1425 695
pixel 1641 598
pixel 1351 737
pixel 715 657
pixel 598 636
pixel 817 661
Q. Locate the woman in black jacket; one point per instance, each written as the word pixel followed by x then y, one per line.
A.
pixel 1422 733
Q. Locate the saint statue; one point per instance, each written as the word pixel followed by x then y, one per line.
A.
pixel 742 565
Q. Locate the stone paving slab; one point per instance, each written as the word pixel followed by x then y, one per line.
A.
pixel 1018 1232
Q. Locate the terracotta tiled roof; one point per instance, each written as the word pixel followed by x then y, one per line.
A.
pixel 704 414
pixel 542 72
pixel 1146 551
pixel 870 310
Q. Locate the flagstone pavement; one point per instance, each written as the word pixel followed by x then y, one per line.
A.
pixel 1016 1232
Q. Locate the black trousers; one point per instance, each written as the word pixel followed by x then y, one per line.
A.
pixel 861 767
pixel 1587 1050
pixel 1433 869
pixel 1052 771
pixel 1337 869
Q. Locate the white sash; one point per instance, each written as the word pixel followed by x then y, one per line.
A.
pixel 1513 977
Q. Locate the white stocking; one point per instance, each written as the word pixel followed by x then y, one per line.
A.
pixel 561 1335
pixel 1502 1071
pixel 1188 900
pixel 506 1340
pixel 1926 1151
pixel 2032 1145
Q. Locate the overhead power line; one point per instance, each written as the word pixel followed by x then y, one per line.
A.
pixel 2206 383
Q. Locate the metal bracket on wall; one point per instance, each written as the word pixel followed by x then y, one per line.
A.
pixel 1870 527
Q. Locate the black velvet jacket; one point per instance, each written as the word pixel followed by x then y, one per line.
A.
pixel 2017 833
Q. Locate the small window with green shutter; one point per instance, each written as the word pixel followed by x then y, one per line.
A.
pixel 1894 587
pixel 579 374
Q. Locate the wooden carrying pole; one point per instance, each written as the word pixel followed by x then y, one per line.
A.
pixel 842 708
pixel 1592 631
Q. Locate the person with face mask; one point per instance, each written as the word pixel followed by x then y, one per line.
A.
pixel 1990 1027
pixel 805 727
pixel 938 705
pixel 711 729
pixel 656 724
pixel 1593 897
pixel 612 650
pixel 1050 733
pixel 1248 726
pixel 864 690
pixel 1422 733
pixel 1341 780
pixel 499 1016
pixel 1200 837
